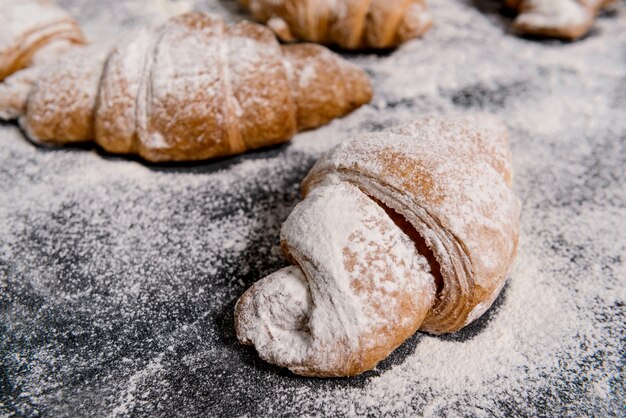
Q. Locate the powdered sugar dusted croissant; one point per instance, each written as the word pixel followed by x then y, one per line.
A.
pixel 192 89
pixel 412 228
pixel 34 32
pixel 566 19
pixel 350 24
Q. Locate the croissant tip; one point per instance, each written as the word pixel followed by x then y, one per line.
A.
pixel 360 90
pixel 415 23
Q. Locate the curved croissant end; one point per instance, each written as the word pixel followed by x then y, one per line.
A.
pixel 33 32
pixel 155 95
pixel 323 86
pixel 413 228
pixel 358 279
pixel 350 24
pixel 565 19
pixel 60 104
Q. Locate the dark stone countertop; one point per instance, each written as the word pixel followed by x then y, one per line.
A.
pixel 118 278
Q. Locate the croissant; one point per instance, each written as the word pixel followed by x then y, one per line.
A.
pixel 33 32
pixel 564 19
pixel 412 228
pixel 192 89
pixel 351 24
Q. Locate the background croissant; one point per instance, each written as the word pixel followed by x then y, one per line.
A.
pixel 413 228
pixel 192 89
pixel 34 32
pixel 351 24
pixel 565 19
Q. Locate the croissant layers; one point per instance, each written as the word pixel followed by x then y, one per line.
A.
pixel 192 89
pixel 351 24
pixel 33 32
pixel 412 228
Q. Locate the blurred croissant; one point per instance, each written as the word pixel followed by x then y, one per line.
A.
pixel 192 89
pixel 565 19
pixel 351 24
pixel 412 228
pixel 34 32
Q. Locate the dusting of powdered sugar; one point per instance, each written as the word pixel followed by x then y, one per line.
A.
pixel 551 13
pixel 118 279
pixel 361 272
pixel 13 23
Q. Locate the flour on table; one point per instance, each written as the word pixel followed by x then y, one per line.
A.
pixel 118 279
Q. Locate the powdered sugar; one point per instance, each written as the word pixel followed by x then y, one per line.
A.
pixel 549 13
pixel 306 75
pixel 12 22
pixel 34 32
pixel 365 281
pixel 107 263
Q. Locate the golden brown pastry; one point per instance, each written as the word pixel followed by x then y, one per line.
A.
pixel 351 24
pixel 564 19
pixel 34 32
pixel 192 89
pixel 412 228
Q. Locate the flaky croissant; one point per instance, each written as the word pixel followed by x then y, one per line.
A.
pixel 34 32
pixel 192 89
pixel 412 228
pixel 350 24
pixel 564 19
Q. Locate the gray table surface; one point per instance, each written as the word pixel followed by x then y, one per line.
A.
pixel 118 278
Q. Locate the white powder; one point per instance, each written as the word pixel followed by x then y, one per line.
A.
pixel 117 280
pixel 306 75
pixel 11 25
pixel 361 273
pixel 551 13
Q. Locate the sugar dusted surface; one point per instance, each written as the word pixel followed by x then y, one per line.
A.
pixel 12 25
pixel 551 13
pixel 361 272
pixel 118 280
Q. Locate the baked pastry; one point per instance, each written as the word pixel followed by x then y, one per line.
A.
pixel 350 24
pixel 412 228
pixel 564 19
pixel 34 32
pixel 192 89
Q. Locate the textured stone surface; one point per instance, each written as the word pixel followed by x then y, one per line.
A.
pixel 118 279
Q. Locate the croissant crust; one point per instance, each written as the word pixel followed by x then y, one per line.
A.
pixel 350 24
pixel 191 89
pixel 412 228
pixel 564 19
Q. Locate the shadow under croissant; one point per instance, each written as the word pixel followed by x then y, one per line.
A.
pixel 197 167
pixel 545 40
pixel 235 9
pixel 495 8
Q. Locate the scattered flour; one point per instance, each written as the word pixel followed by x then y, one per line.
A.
pixel 118 279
